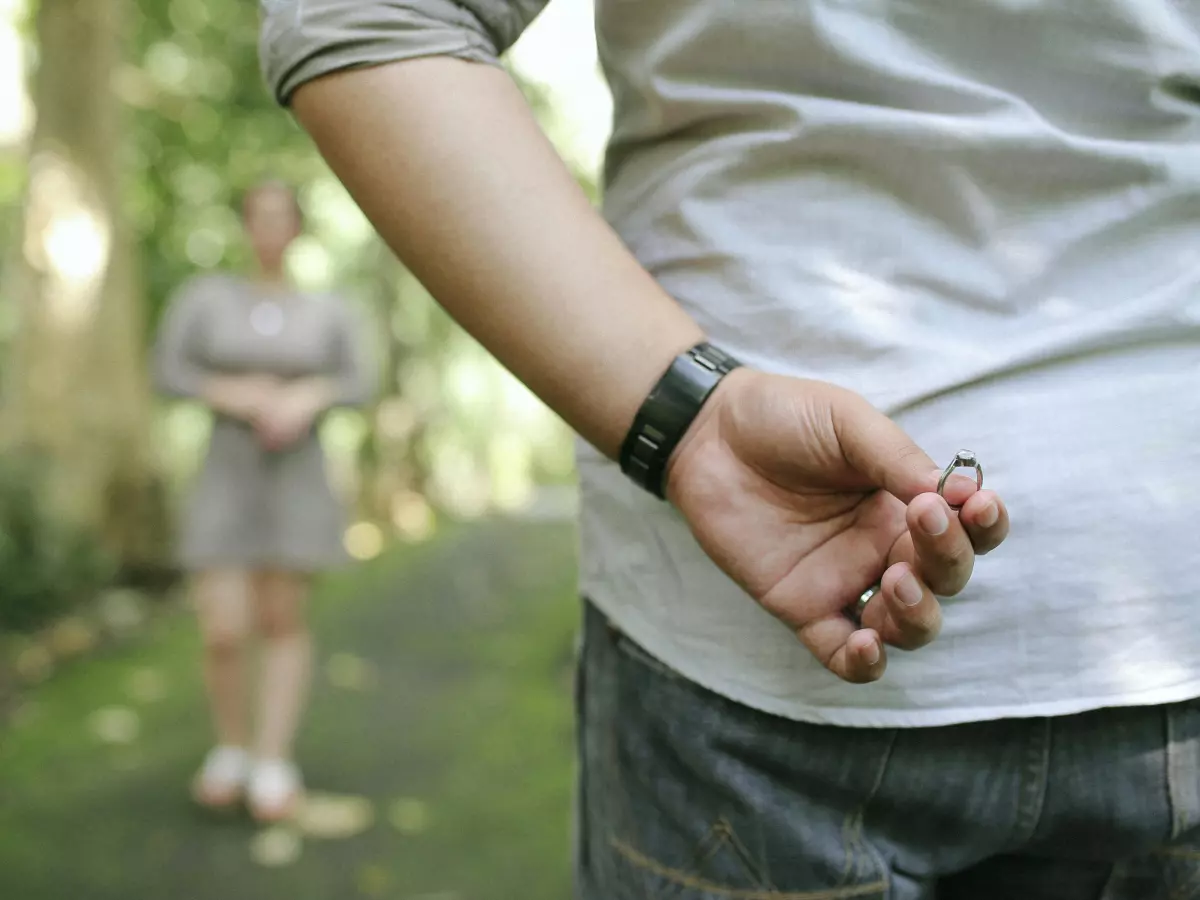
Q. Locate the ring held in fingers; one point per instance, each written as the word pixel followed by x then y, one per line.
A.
pixel 864 598
pixel 963 459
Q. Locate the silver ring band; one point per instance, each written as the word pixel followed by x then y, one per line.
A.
pixel 864 598
pixel 963 459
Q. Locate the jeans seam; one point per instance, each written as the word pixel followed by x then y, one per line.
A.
pixel 854 823
pixel 681 878
pixel 1034 782
pixel 1180 772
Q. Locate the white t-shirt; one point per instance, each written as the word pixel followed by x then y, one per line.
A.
pixel 983 215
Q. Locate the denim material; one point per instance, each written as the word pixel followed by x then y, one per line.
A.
pixel 686 795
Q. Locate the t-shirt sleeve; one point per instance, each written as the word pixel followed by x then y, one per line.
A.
pixel 305 39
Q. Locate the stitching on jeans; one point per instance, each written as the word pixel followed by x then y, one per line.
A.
pixel 684 879
pixel 743 853
pixel 1178 774
pixel 1034 782
pixel 1178 853
pixel 853 825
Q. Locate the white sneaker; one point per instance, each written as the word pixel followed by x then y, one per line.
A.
pixel 274 790
pixel 222 778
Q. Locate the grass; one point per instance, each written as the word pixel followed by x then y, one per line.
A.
pixel 456 730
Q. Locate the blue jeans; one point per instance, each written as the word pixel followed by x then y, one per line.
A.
pixel 689 796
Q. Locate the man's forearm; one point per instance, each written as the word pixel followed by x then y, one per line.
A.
pixel 447 161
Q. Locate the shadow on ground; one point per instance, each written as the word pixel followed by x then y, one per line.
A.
pixel 438 747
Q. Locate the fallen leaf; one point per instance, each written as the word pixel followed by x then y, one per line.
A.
pixel 34 664
pixel 115 724
pixel 335 816
pixel 122 610
pixel 147 686
pixel 72 637
pixel 276 846
pixel 374 879
pixel 409 816
pixel 350 672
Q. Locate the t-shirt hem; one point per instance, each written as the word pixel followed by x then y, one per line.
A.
pixel 933 718
pixel 869 717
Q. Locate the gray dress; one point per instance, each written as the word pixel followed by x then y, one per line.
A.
pixel 250 507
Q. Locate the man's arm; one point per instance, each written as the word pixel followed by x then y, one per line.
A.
pixel 448 162
pixel 778 478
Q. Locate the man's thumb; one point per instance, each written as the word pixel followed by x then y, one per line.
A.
pixel 876 446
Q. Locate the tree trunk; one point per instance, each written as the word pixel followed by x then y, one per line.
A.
pixel 76 390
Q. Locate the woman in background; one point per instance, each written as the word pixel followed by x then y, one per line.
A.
pixel 268 360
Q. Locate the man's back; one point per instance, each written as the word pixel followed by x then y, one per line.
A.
pixel 983 216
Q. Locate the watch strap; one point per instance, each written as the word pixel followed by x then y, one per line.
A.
pixel 668 412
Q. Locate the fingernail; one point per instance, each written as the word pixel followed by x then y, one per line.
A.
pixel 908 590
pixel 871 654
pixel 934 521
pixel 989 516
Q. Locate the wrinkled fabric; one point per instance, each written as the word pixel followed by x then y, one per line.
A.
pixel 984 216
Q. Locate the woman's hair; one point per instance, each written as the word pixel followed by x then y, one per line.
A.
pixel 272 184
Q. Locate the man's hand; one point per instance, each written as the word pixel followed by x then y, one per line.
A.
pixel 806 496
pixel 290 413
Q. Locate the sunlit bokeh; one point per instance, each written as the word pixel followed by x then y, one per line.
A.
pixel 409 815
pixel 67 238
pixel 275 847
pixel 115 725
pixel 328 816
pixel 412 516
pixel 16 110
pixel 364 540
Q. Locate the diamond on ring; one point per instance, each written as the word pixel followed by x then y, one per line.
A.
pixel 963 459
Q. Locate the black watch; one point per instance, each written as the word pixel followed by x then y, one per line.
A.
pixel 668 411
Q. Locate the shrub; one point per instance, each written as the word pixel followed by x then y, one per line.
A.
pixel 48 564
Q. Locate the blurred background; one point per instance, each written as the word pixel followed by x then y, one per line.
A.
pixel 438 747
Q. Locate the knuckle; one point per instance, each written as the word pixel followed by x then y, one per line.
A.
pixel 915 635
pixel 953 564
pixel 908 451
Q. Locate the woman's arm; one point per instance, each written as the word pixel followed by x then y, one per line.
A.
pixel 178 370
pixel 355 381
pixel 512 248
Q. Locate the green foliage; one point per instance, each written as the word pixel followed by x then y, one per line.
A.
pixel 203 129
pixel 47 564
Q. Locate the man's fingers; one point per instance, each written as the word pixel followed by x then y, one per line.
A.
pixel 986 520
pixel 854 655
pixel 906 614
pixel 876 446
pixel 944 557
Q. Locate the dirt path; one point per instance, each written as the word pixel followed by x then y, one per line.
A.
pixel 438 747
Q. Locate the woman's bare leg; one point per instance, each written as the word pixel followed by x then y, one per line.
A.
pixel 279 599
pixel 222 601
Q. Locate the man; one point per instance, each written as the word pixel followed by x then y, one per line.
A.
pixel 914 224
